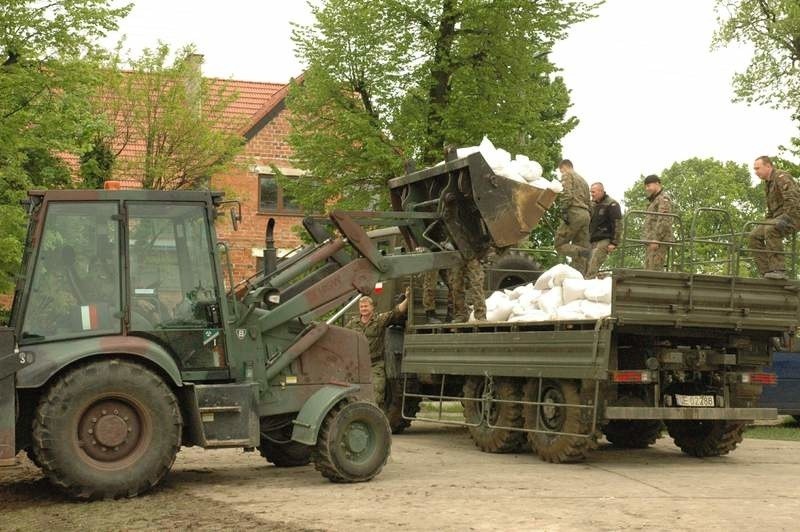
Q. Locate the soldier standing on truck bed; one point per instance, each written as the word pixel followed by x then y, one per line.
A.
pixel 373 326
pixel 572 236
pixel 783 218
pixel 657 228
pixel 605 228
pixel 429 279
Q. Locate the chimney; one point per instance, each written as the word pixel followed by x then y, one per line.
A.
pixel 194 80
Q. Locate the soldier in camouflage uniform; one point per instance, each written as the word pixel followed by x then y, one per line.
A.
pixel 572 236
pixel 657 228
pixel 373 326
pixel 429 279
pixel 783 218
pixel 605 228
pixel 469 273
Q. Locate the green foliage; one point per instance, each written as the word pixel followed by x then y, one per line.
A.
pixel 389 81
pixel 97 165
pixel 697 183
pixel 48 70
pixel 175 116
pixel 772 28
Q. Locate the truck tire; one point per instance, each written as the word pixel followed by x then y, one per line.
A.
pixel 706 438
pixel 394 404
pixel 280 454
pixel 487 439
pixel 354 442
pixel 107 429
pixel 633 434
pixel 510 269
pixel 557 448
pixel 796 418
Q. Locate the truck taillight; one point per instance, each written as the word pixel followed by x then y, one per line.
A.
pixel 760 378
pixel 632 376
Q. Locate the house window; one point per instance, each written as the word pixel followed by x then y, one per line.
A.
pixel 272 197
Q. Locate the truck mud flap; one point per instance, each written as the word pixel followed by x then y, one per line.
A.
pixel 689 413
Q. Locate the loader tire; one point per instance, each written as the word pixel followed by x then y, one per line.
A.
pixel 706 438
pixel 354 442
pixel 551 447
pixel 494 440
pixel 393 406
pixel 107 429
pixel 511 269
pixel 289 454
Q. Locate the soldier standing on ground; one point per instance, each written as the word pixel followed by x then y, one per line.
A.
pixel 605 228
pixel 572 236
pixel 469 273
pixel 373 326
pixel 783 218
pixel 657 228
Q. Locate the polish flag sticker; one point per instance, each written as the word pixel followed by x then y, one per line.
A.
pixel 378 288
pixel 89 318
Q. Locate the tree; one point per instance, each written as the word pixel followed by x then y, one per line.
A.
pixel 48 68
pixel 389 80
pixel 697 183
pixel 772 28
pixel 175 119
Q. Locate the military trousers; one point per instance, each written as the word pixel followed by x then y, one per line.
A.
pixel 379 381
pixel 466 286
pixel 766 241
pixel 655 259
pixel 572 237
pixel 599 256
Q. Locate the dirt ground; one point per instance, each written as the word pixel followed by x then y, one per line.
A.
pixel 437 480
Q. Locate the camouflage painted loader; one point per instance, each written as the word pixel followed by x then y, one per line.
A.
pixel 128 338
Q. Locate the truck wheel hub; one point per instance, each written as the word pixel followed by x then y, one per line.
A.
pixel 357 438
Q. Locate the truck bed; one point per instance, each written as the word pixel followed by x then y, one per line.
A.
pixel 642 301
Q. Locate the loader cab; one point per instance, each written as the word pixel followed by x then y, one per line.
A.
pixel 115 264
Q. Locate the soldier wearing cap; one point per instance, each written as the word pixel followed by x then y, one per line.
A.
pixel 572 235
pixel 373 326
pixel 783 219
pixel 657 227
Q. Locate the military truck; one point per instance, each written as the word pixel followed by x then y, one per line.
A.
pixel 128 337
pixel 679 349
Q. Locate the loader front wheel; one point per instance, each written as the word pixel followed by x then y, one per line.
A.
pixel 354 442
pixel 107 429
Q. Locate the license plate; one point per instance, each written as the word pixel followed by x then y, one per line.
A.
pixel 695 400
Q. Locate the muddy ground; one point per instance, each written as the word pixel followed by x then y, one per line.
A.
pixel 437 480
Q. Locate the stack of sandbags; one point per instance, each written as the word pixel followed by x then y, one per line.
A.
pixel 559 294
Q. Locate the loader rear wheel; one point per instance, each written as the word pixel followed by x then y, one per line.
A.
pixel 706 438
pixel 553 416
pixel 279 449
pixel 354 442
pixel 633 434
pixel 393 407
pixel 107 429
pixel 511 269
pixel 494 440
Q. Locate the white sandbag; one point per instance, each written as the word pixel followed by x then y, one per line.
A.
pixel 556 275
pixel 532 315
pixel 556 187
pixel 598 290
pixel 518 310
pixel 497 295
pixel 472 318
pixel 529 298
pixel 500 311
pixel 510 294
pixel 486 146
pixel 595 311
pixel 573 306
pixel 550 300
pixel 568 314
pixel 573 289
pixel 540 183
pixel 522 289
pixel 465 152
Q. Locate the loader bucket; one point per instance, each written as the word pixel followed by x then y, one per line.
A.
pixel 469 205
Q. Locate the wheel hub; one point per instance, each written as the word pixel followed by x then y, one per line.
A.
pixel 356 439
pixel 109 430
pixel 552 416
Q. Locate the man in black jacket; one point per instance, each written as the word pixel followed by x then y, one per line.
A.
pixel 605 228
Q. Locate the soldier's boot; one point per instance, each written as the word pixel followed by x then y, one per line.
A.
pixel 430 315
pixel 776 274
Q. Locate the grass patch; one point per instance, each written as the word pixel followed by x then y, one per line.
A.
pixel 789 430
pixel 451 407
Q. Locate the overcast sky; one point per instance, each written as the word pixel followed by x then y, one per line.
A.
pixel 645 85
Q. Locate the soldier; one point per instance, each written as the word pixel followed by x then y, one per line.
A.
pixel 429 295
pixel 470 272
pixel 783 218
pixel 572 236
pixel 374 328
pixel 657 228
pixel 605 228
